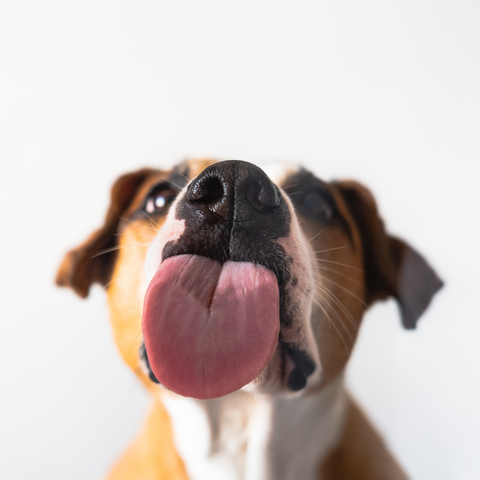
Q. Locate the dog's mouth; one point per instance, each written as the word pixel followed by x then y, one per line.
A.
pixel 228 303
pixel 210 328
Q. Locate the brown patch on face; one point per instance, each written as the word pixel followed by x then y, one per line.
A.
pixel 127 287
pixel 356 262
pixel 339 300
pixel 125 293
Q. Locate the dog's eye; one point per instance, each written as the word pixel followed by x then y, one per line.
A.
pixel 319 203
pixel 159 199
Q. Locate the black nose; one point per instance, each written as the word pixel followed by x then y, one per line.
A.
pixel 233 190
pixel 232 211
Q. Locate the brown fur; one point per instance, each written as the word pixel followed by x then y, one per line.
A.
pixel 361 453
pixel 355 268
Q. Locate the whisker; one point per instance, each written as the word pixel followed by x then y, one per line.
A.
pixel 151 220
pixel 142 234
pixel 315 236
pixel 118 247
pixel 338 273
pixel 184 176
pixel 136 341
pixel 178 186
pixel 130 220
pixel 157 231
pixel 129 271
pixel 294 193
pixel 330 249
pixel 318 303
pixel 339 263
pixel 289 186
pixel 334 298
pixel 343 288
pixel 340 319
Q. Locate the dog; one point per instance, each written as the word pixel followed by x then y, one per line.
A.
pixel 236 295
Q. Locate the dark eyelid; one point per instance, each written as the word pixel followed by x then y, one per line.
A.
pixel 297 184
pixel 309 185
pixel 160 186
pixel 156 190
pixel 324 192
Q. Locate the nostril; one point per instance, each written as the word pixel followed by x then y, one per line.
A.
pixel 207 190
pixel 264 196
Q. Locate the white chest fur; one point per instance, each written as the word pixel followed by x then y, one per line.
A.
pixel 252 437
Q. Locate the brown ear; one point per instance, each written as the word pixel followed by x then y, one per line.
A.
pixel 392 267
pixel 80 267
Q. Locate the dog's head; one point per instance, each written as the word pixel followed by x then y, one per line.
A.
pixel 221 277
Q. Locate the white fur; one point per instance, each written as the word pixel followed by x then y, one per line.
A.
pixel 257 437
pixel 210 435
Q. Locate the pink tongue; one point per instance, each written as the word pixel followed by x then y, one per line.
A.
pixel 210 328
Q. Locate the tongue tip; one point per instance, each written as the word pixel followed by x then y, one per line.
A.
pixel 190 386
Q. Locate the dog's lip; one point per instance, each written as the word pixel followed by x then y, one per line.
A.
pixel 297 366
pixel 284 368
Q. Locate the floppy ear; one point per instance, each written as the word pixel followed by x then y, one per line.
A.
pixel 392 267
pixel 80 267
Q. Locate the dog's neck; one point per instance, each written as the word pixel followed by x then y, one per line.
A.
pixel 249 437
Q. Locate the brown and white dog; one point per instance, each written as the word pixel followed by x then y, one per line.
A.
pixel 236 298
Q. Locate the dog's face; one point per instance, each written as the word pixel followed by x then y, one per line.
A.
pixel 220 277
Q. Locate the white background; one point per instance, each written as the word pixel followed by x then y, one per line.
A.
pixel 383 92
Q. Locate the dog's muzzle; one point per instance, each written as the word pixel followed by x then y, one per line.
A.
pixel 213 309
